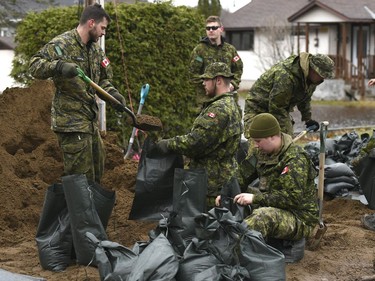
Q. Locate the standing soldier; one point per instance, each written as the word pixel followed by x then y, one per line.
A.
pixel 213 141
pixel 210 49
pixel 285 85
pixel 74 107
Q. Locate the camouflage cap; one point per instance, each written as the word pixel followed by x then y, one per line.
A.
pixel 217 69
pixel 323 65
pixel 264 125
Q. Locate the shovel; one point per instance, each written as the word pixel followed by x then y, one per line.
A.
pixel 144 92
pixel 304 132
pixel 142 122
pixel 314 242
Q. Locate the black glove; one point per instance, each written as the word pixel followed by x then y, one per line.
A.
pixel 66 69
pixel 118 97
pixel 312 125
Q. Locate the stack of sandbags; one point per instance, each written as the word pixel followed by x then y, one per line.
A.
pixel 339 179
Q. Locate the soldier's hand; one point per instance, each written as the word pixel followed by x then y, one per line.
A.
pixel 118 97
pixel 244 198
pixel 66 69
pixel 312 125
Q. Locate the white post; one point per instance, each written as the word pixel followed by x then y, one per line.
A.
pixel 101 103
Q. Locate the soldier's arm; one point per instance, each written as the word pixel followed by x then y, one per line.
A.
pixel 196 66
pixel 237 69
pixel 203 137
pixel 106 74
pixel 305 107
pixel 280 97
pixel 288 188
pixel 43 64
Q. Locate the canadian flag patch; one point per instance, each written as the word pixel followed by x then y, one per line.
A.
pixel 211 114
pixel 236 58
pixel 285 170
pixel 105 62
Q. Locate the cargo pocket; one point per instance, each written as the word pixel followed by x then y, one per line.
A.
pixel 77 157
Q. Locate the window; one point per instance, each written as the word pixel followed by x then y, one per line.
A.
pixel 242 40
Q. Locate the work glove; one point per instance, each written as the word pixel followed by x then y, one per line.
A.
pixel 118 97
pixel 312 125
pixel 66 69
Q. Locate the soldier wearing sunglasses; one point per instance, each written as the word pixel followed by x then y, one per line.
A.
pixel 213 48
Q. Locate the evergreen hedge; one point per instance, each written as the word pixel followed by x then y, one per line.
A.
pixel 153 46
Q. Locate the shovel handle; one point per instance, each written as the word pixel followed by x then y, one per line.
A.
pixel 322 154
pixel 301 134
pixel 104 95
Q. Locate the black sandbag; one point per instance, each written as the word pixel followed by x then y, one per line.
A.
pixel 333 188
pixel 83 217
pixel 189 192
pixel 156 262
pixel 366 175
pixel 189 200
pixel 345 142
pixel 293 251
pixel 227 193
pixel 194 261
pixel 153 197
pixel 115 262
pixel 10 276
pixel 53 236
pixel 233 243
pixel 223 272
pixel 352 180
pixel 104 200
pixel 337 170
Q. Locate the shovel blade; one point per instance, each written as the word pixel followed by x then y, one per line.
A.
pixel 148 123
pixel 314 242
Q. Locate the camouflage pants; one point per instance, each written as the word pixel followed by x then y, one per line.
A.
pixel 83 153
pixel 277 223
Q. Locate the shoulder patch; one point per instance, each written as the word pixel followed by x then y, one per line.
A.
pixel 285 170
pixel 211 114
pixel 236 58
pixel 105 62
pixel 58 50
pixel 198 58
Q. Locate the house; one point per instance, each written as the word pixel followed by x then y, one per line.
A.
pixel 266 31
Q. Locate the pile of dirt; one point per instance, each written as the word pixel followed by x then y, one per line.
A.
pixel 30 161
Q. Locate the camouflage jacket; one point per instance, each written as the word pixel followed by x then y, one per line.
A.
pixel 74 107
pixel 213 141
pixel 278 91
pixel 206 53
pixel 286 181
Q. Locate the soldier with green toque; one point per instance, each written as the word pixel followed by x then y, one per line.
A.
pixel 285 203
pixel 286 85
pixel 214 138
pixel 74 107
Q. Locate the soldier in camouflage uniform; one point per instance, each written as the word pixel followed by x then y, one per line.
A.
pixel 287 84
pixel 213 48
pixel 285 204
pixel 214 139
pixel 74 106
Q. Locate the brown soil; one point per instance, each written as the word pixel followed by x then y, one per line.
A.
pixel 30 161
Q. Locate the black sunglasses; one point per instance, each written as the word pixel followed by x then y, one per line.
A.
pixel 212 27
